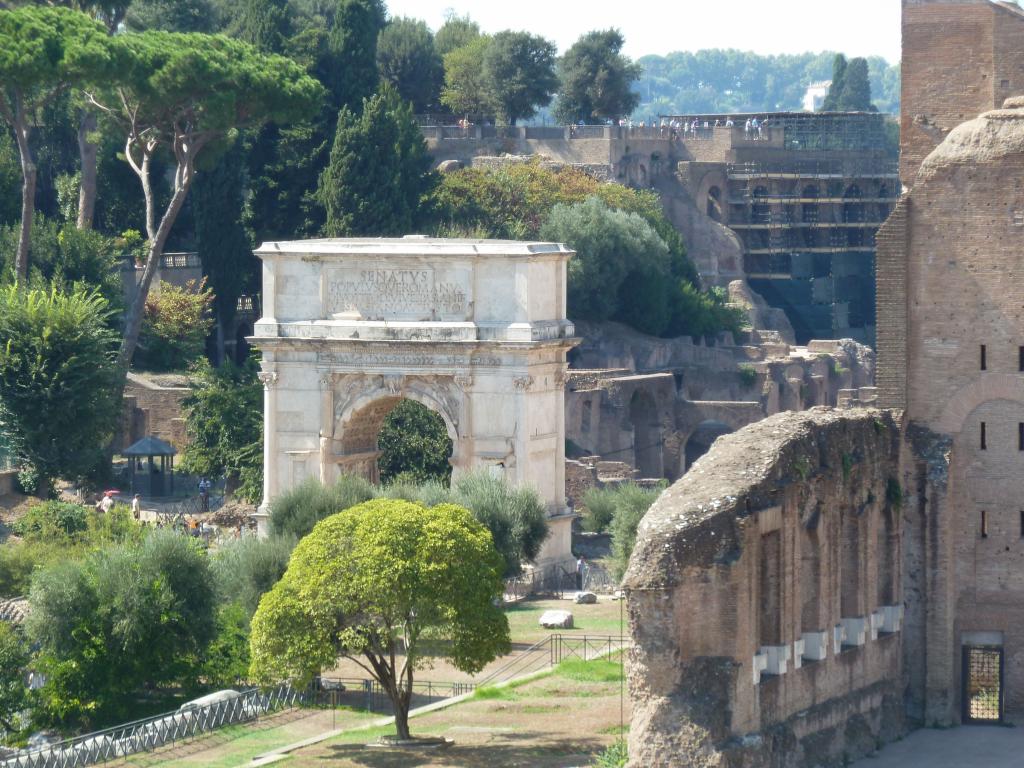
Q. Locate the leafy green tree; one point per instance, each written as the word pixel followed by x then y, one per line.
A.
pixel 609 245
pixel 379 170
pixel 124 619
pixel 14 660
pixel 172 16
pixel 187 93
pixel 224 421
pixel 833 98
pixel 336 40
pixel 596 79
pixel 723 81
pixel 221 239
pixel 175 328
pixel 265 24
pixel 392 586
pixel 408 61
pixel 467 90
pixel 856 93
pixel 414 443
pixel 456 32
pixel 43 51
pixel 63 255
pixel 520 69
pixel 57 377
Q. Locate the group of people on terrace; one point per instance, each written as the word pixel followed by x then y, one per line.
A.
pixel 754 129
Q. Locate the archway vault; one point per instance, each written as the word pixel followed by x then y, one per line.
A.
pixel 474 330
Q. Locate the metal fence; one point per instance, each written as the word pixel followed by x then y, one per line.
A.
pixel 552 650
pixel 155 732
pixel 369 695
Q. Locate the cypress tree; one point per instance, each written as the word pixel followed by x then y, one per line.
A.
pixel 856 93
pixel 222 243
pixel 831 103
pixel 378 171
pixel 263 23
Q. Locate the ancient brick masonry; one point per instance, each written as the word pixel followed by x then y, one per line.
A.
pixel 960 58
pixel 765 599
pixel 951 296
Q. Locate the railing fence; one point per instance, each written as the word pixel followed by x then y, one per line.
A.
pixel 155 732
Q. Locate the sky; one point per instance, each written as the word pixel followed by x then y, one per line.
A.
pixel 853 27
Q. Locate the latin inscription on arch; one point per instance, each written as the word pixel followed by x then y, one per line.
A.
pixel 376 293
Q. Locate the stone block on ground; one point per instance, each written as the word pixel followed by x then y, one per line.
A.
pixel 556 620
pixel 585 598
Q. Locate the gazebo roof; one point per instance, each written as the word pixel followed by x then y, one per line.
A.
pixel 150 446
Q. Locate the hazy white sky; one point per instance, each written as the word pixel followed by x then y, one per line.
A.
pixel 853 27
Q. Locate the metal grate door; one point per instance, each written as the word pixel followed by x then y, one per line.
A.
pixel 983 684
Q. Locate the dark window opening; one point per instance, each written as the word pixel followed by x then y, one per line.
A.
pixel 1022 523
pixel 1020 435
pixel 1020 358
pixel 984 446
pixel 984 362
pixel 984 524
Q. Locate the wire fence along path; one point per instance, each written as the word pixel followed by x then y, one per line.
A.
pixel 155 732
pixel 186 724
pixel 553 650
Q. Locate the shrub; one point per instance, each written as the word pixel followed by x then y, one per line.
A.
pixel 19 560
pixel 244 569
pixel 515 516
pixel 599 504
pixel 52 519
pixel 126 618
pixel 631 504
pixel 748 375
pixel 299 509
pixel 615 756
pixel 175 327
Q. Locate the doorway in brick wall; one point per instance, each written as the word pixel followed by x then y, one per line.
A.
pixel 983 684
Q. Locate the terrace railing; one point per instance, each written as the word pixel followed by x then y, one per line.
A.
pixel 155 732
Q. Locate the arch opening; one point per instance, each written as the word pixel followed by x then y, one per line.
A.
pixel 714 203
pixel 702 438
pixel 647 438
pixel 397 439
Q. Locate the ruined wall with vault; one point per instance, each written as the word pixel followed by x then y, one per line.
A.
pixel 765 599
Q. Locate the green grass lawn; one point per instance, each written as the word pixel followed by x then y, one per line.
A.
pixel 602 618
pixel 564 717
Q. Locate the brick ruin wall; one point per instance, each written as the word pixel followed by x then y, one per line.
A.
pixel 960 58
pixel 764 599
pixel 151 409
pixel 956 248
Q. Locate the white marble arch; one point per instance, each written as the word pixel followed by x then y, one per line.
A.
pixel 475 330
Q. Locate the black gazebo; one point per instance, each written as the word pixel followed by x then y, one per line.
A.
pixel 160 478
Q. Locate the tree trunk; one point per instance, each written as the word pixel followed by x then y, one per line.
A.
pixel 136 312
pixel 28 196
pixel 401 705
pixel 88 152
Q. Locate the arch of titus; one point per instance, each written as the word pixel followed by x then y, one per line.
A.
pixel 473 329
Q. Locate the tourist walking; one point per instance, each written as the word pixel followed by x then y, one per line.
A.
pixel 137 506
pixel 581 569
